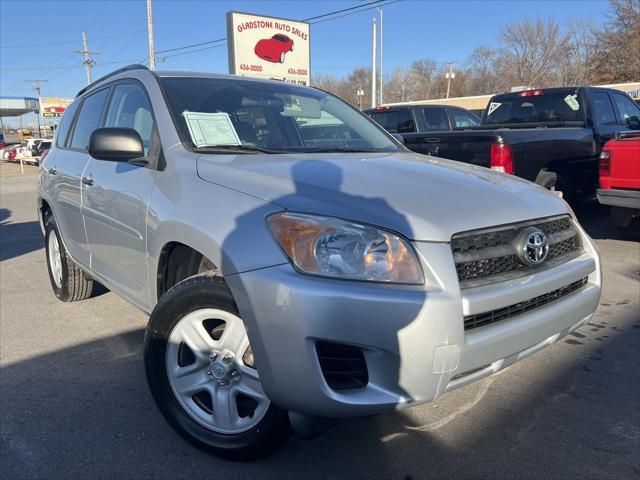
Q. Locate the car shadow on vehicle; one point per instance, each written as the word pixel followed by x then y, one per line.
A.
pixel 86 411
pixel 315 183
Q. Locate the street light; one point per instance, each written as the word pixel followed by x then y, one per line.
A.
pixel 360 94
pixel 381 72
pixel 449 76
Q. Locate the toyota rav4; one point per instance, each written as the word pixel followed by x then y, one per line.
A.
pixel 297 262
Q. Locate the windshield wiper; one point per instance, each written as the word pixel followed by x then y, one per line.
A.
pixel 234 149
pixel 342 150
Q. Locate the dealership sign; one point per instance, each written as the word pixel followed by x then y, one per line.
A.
pixel 51 107
pixel 268 47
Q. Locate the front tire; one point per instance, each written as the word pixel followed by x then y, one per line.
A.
pixel 201 375
pixel 68 281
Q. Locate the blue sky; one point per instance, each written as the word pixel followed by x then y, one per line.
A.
pixel 444 30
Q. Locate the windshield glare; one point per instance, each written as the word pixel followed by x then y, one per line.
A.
pixel 270 116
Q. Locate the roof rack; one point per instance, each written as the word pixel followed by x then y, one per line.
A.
pixel 135 66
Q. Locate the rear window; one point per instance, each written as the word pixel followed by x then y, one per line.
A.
pixel 553 107
pixel 395 121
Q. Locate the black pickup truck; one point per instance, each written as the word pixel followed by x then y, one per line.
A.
pixel 551 136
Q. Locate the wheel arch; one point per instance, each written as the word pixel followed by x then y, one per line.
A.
pixel 178 261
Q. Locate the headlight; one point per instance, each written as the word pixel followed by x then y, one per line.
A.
pixel 332 247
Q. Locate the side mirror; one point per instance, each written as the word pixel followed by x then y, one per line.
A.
pixel 398 137
pixel 116 144
pixel 633 123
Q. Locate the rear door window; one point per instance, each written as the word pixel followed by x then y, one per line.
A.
pixel 463 119
pixel 435 119
pixel 88 119
pixel 603 113
pixel 626 108
pixel 395 121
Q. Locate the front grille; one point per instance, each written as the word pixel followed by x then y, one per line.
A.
pixel 486 318
pixel 490 255
pixel 343 366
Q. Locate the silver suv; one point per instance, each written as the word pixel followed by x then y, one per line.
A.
pixel 297 262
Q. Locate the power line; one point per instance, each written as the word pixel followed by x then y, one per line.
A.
pixel 69 42
pixel 353 13
pixel 193 45
pixel 345 12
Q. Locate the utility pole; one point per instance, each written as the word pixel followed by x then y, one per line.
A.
pixel 449 76
pixel 88 61
pixel 36 88
pixel 152 51
pixel 381 71
pixel 373 65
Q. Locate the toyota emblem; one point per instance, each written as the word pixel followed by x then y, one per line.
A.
pixel 533 247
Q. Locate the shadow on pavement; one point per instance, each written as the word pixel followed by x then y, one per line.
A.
pixel 17 239
pixel 86 411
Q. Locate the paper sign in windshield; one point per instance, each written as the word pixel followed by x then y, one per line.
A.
pixel 208 129
pixel 492 107
pixel 572 102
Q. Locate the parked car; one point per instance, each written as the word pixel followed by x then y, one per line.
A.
pixel 290 283
pixel 551 136
pixel 620 180
pixel 37 148
pixel 274 49
pixel 4 155
pixel 2 143
pixel 26 148
pixel 407 119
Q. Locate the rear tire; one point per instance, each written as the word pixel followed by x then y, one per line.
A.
pixel 547 180
pixel 68 281
pixel 176 352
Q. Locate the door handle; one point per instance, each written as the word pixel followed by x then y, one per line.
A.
pixel 88 180
pixel 432 140
pixel 52 171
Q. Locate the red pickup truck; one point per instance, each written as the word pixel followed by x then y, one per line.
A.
pixel 620 178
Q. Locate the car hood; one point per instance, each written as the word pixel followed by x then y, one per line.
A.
pixel 423 198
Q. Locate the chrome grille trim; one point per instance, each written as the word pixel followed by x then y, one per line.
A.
pixel 493 316
pixel 489 255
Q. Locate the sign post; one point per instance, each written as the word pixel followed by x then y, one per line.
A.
pixel 268 47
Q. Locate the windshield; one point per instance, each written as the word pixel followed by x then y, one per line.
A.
pixel 272 117
pixel 554 107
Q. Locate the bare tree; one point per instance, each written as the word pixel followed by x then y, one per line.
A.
pixel 617 57
pixel 422 73
pixel 534 49
pixel 576 68
pixel 482 71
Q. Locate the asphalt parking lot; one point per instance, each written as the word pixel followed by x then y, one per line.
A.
pixel 74 401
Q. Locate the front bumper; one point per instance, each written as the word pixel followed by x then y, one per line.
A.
pixel 619 198
pixel 412 337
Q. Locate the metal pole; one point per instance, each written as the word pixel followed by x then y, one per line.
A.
pixel 449 76
pixel 86 53
pixel 87 61
pixel 381 71
pixel 373 66
pixel 152 52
